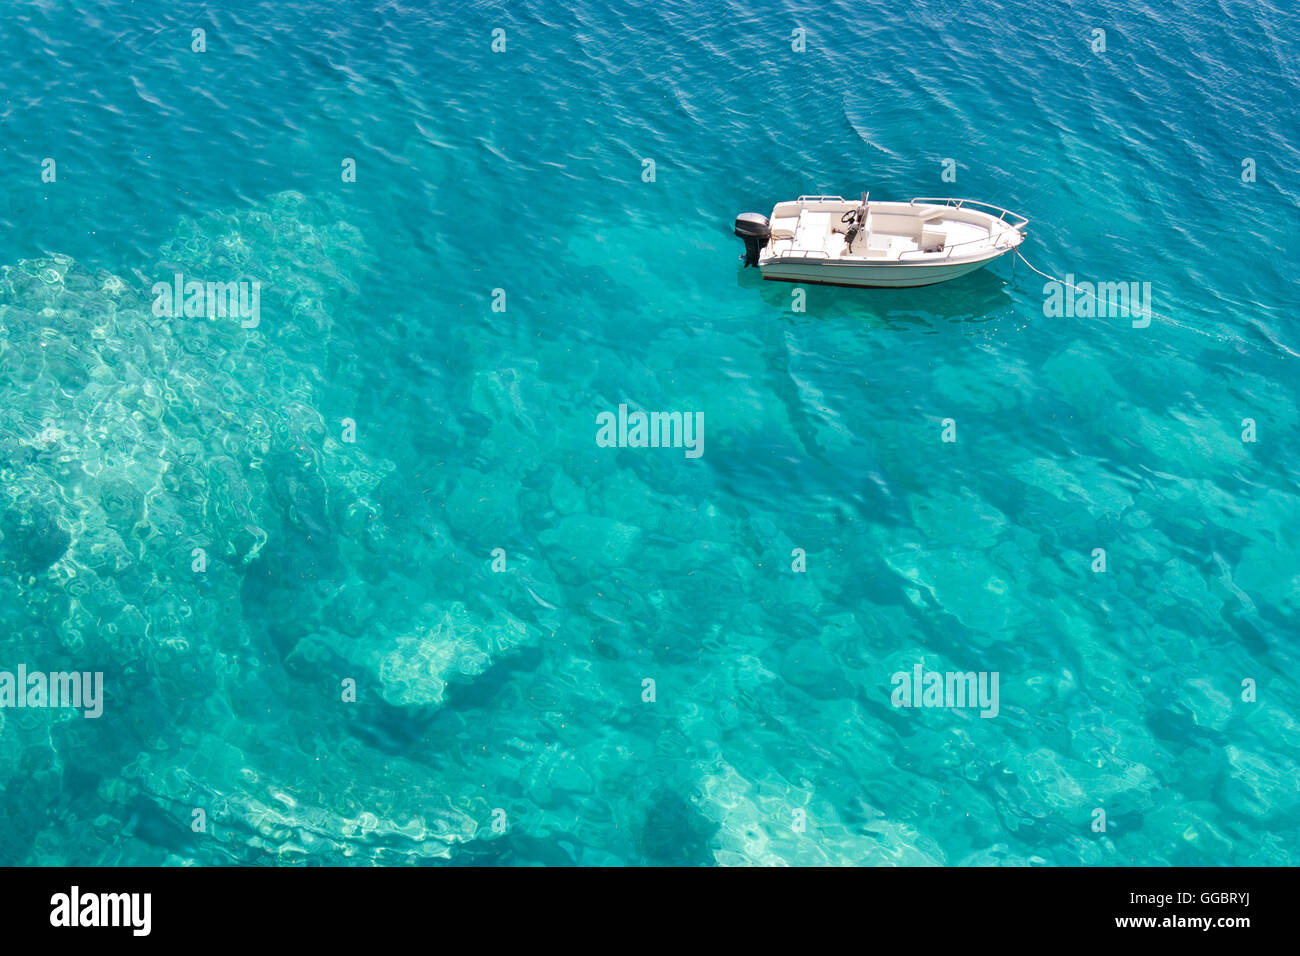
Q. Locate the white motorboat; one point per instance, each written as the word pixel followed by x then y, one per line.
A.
pixel 833 241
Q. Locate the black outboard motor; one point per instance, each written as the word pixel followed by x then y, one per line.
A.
pixel 755 230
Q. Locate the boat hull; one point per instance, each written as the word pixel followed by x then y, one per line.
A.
pixel 868 275
pixel 827 240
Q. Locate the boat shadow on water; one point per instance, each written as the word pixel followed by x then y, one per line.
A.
pixel 971 301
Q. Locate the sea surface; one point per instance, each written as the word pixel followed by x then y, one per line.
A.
pixel 279 544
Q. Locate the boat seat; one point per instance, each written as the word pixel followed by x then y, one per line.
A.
pixel 933 238
pixel 784 227
pixel 878 246
pixel 813 232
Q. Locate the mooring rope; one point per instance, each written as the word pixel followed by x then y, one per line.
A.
pixel 1051 278
pixel 1154 315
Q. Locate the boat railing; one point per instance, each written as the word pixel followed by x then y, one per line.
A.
pixel 820 199
pixel 801 254
pixel 1020 223
pixel 990 241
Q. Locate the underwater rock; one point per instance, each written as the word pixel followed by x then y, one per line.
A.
pixel 483 508
pixel 135 492
pixel 411 667
pixel 591 544
pixel 31 537
pixel 675 833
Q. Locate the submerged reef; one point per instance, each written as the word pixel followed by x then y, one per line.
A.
pixel 153 469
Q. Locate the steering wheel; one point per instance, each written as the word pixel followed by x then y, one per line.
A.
pixel 849 216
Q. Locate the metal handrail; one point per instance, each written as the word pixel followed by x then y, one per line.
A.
pixel 800 253
pixel 959 203
pixel 820 199
pixel 956 245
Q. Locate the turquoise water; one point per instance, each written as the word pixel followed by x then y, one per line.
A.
pixel 131 439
